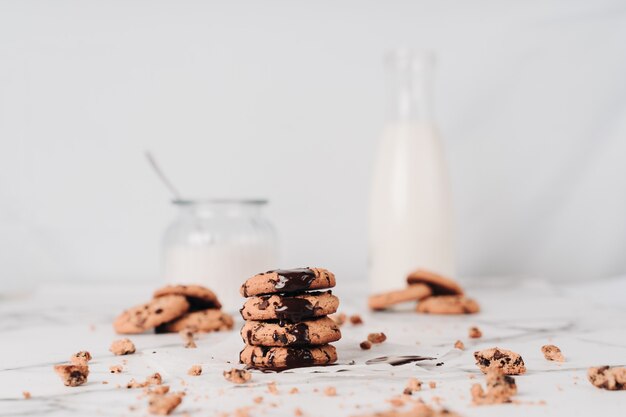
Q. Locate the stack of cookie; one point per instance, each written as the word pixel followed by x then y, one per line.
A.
pixel 434 293
pixel 175 308
pixel 286 322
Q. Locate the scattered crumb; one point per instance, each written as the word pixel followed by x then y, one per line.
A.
pixel 609 378
pixel 330 391
pixel 294 390
pixel 271 388
pixel 459 345
pixel 122 347
pixel 116 369
pixel 552 353
pixel 154 379
pixel 258 400
pixel 356 319
pixel 376 337
pixel 500 389
pixel 365 345
pixel 164 404
pixel 412 386
pixel 237 376
pixel 195 370
pixel 419 410
pixel 187 336
pixel 242 412
pixel 475 333
pixel 157 390
pixel 105 382
pixel 339 318
pixel 397 402
pixel 72 375
pixel 80 358
pixel 26 395
pixel 432 384
pixel 298 412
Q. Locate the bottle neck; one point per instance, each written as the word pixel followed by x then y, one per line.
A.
pixel 409 86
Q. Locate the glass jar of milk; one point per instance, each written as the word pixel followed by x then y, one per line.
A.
pixel 219 244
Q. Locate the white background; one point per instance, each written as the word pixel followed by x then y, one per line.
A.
pixel 284 100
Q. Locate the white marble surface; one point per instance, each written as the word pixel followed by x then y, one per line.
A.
pixel 588 322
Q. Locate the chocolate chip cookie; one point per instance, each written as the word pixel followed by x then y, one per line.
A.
pixel 203 321
pixel 448 304
pixel 287 357
pixel 147 316
pixel 438 284
pixel 308 332
pixel 288 281
pixel 198 297
pixel 290 308
pixel 414 292
pixel 609 378
pixel 509 362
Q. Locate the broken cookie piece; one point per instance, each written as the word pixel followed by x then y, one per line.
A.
pixel 459 345
pixel 365 345
pixel 164 404
pixel 116 369
pixel 510 362
pixel 195 370
pixel 187 336
pixel 237 376
pixel 609 378
pixel 474 333
pixel 80 358
pixel 500 389
pixel 552 353
pixel 72 375
pixel 122 347
pixel 412 386
pixel 376 337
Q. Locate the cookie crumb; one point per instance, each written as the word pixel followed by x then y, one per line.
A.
pixel 271 388
pixel 294 390
pixel 432 384
pixel 187 336
pixel 412 386
pixel 122 347
pixel 376 337
pixel 552 353
pixel 26 395
pixel 355 319
pixel 237 376
pixel 459 345
pixel 242 412
pixel 116 369
pixel 72 375
pixel 80 358
pixel 365 345
pixel 475 333
pixel 154 379
pixel 339 318
pixel 257 400
pixel 510 362
pixel 195 370
pixel 164 404
pixel 298 412
pixel 157 390
pixel 500 389
pixel 609 378
pixel 330 391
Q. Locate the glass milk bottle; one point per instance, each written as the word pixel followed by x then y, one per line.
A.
pixel 410 219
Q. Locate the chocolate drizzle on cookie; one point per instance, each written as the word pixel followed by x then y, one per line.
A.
pixel 293 280
pixel 294 310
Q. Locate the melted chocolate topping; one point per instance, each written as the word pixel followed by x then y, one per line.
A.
pixel 294 310
pixel 297 358
pixel 293 280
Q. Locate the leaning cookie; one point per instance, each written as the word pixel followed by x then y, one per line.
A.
pixel 288 281
pixel 439 284
pixel 309 332
pixel 290 309
pixel 414 292
pixel 198 297
pixel 448 304
pixel 287 357
pixel 151 314
pixel 203 321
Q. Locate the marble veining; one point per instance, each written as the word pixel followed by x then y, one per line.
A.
pixel 587 321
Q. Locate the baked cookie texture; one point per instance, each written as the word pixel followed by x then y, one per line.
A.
pixel 290 308
pixel 311 332
pixel 175 308
pixel 287 357
pixel 439 284
pixel 287 323
pixel 609 378
pixel 147 316
pixel 288 281
pixel 415 292
pixel 510 363
pixel 448 304
pixel 198 297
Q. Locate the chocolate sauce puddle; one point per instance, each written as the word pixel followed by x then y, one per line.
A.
pixel 398 360
pixel 293 280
